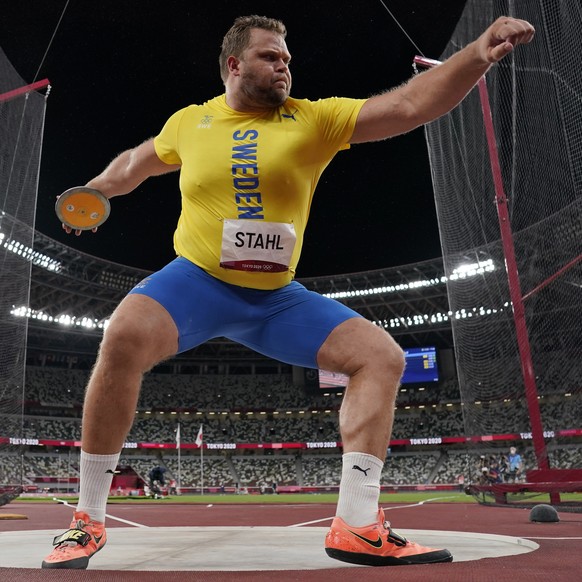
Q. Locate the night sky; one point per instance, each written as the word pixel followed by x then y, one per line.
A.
pixel 120 68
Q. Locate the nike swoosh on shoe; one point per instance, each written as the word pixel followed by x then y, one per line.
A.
pixel 374 543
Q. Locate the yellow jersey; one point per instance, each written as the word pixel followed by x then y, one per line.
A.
pixel 247 181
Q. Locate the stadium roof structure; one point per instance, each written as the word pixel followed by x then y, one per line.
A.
pixel 73 294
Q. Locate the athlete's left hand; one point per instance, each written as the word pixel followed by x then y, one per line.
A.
pixel 502 37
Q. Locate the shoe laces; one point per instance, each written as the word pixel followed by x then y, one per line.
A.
pixel 81 524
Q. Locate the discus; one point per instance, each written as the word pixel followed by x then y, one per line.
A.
pixel 82 208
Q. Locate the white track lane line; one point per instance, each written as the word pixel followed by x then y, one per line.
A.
pixel 133 523
pixel 419 504
pixel 310 522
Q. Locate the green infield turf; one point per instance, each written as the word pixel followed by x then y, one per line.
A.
pixel 285 498
pixel 411 497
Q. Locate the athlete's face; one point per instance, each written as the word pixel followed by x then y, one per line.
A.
pixel 265 79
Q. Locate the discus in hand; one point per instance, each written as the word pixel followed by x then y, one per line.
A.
pixel 82 208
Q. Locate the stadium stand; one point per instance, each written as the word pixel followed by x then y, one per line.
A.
pixel 232 410
pixel 242 398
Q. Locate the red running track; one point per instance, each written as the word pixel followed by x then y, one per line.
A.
pixel 557 559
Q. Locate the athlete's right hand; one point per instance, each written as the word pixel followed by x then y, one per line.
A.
pixel 69 230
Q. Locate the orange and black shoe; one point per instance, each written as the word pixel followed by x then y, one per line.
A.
pixel 377 545
pixel 74 547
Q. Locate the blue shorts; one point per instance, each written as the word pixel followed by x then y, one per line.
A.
pixel 288 324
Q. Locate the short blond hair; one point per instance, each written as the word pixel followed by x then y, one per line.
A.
pixel 237 39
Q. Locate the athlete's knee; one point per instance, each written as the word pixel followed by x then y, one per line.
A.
pixel 357 346
pixel 124 340
pixel 392 355
pixel 382 356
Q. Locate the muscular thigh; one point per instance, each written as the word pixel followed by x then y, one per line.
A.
pixel 292 323
pixel 200 306
pixel 288 324
pixel 141 329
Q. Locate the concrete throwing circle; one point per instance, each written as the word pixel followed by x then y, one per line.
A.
pixel 237 548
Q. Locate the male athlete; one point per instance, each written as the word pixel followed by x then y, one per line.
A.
pixel 249 162
pixel 514 466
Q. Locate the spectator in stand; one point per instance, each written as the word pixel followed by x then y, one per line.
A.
pixel 461 482
pixel 483 470
pixel 157 481
pixel 494 475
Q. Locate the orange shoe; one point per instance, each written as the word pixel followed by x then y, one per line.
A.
pixel 77 544
pixel 377 545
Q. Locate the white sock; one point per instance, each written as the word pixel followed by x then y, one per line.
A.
pixel 359 489
pixel 95 482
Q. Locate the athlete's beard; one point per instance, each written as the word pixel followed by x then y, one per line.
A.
pixel 264 97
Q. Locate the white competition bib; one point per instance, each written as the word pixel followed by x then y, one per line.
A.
pixel 256 245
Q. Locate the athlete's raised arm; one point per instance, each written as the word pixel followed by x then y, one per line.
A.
pixel 435 92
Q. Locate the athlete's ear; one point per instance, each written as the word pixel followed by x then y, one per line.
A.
pixel 233 65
